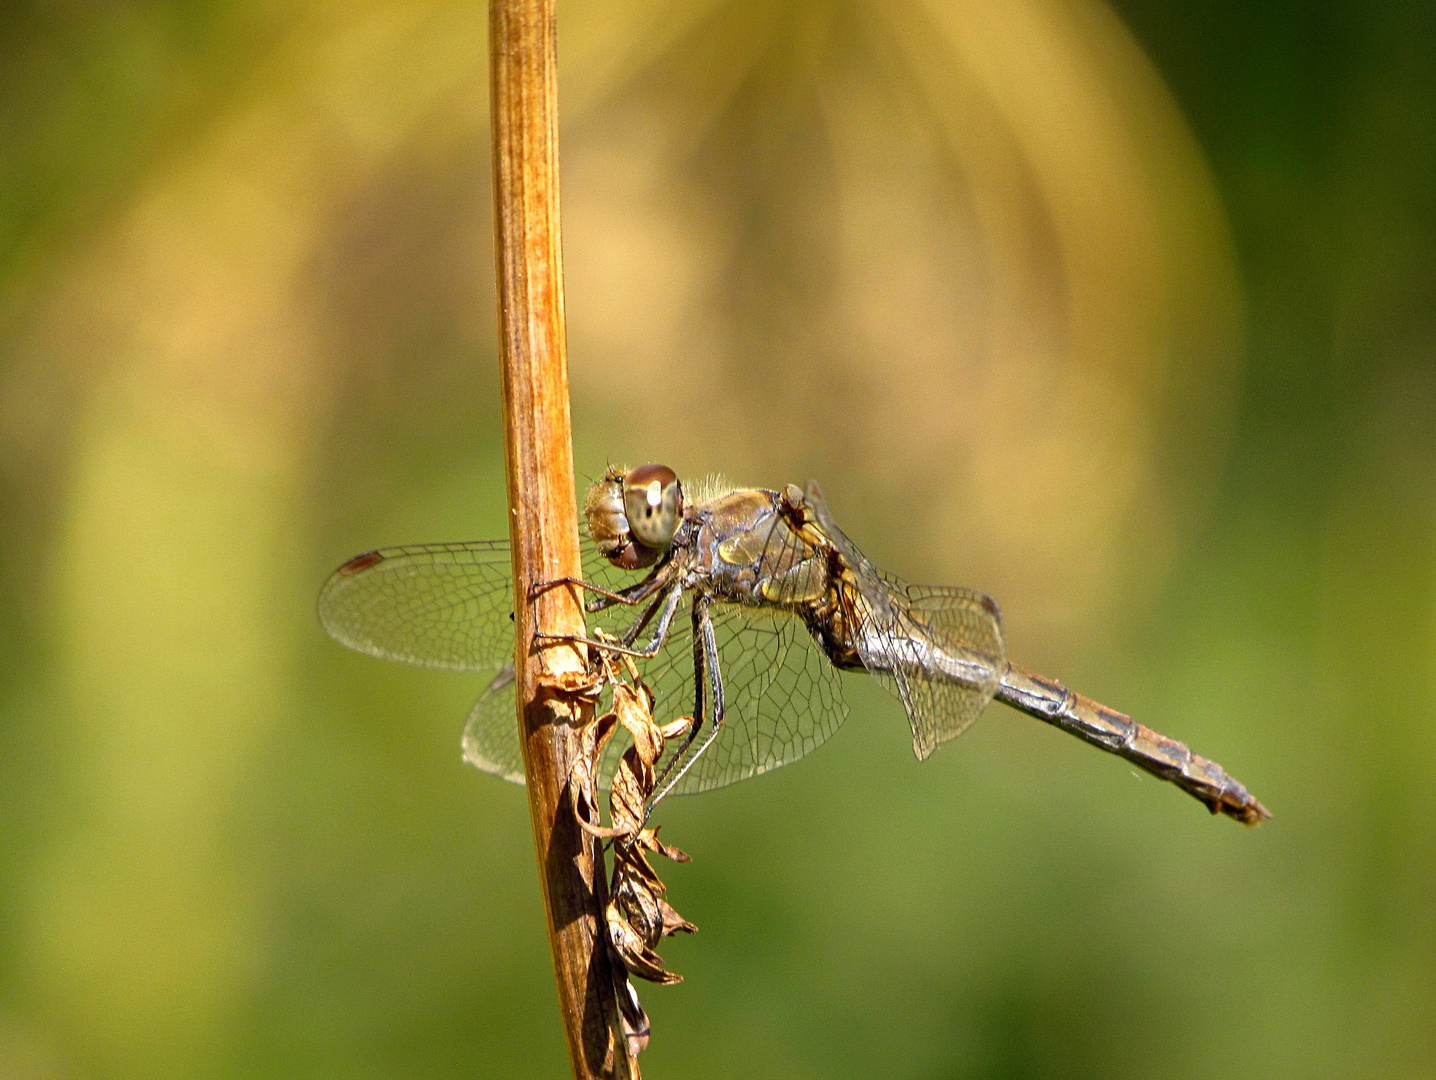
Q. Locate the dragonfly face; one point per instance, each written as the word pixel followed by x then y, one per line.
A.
pixel 776 599
pixel 632 516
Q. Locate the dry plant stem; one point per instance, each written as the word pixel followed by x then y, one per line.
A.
pixel 539 454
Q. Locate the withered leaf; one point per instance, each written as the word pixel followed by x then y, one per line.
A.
pixel 637 916
pixel 636 1028
pixel 637 957
pixel 582 787
pixel 648 838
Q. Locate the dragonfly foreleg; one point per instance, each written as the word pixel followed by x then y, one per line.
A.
pixel 707 673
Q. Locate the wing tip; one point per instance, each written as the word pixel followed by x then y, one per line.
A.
pixel 360 562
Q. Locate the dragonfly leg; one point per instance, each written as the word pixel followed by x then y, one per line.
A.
pixel 699 690
pixel 669 605
pixel 632 596
pixel 636 627
pixel 595 643
pixel 707 674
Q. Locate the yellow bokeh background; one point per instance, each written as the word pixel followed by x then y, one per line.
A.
pixel 1120 313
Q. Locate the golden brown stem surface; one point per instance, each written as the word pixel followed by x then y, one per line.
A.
pixel 539 456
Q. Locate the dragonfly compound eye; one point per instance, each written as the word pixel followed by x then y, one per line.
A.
pixel 653 503
pixel 608 525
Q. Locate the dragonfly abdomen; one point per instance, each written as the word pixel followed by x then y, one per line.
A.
pixel 893 653
pixel 1119 734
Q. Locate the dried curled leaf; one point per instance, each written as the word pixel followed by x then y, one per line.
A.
pixel 637 956
pixel 582 781
pixel 648 838
pixel 640 916
pixel 636 916
pixel 636 1028
pixel 639 895
pixel 634 779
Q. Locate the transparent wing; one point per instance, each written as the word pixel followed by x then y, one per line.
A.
pixel 491 734
pixel 951 657
pixel 784 698
pixel 450 606
pixel 438 605
pixel 939 650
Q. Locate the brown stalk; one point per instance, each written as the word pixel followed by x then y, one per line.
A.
pixel 543 516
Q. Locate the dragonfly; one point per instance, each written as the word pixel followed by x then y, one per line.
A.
pixel 750 604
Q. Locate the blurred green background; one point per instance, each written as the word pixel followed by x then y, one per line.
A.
pixel 1124 314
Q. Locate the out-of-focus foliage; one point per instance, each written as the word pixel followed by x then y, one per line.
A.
pixel 1126 315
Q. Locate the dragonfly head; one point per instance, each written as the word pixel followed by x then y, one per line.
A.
pixel 632 516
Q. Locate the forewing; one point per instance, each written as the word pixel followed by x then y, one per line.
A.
pixel 438 605
pixel 784 699
pixel 450 606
